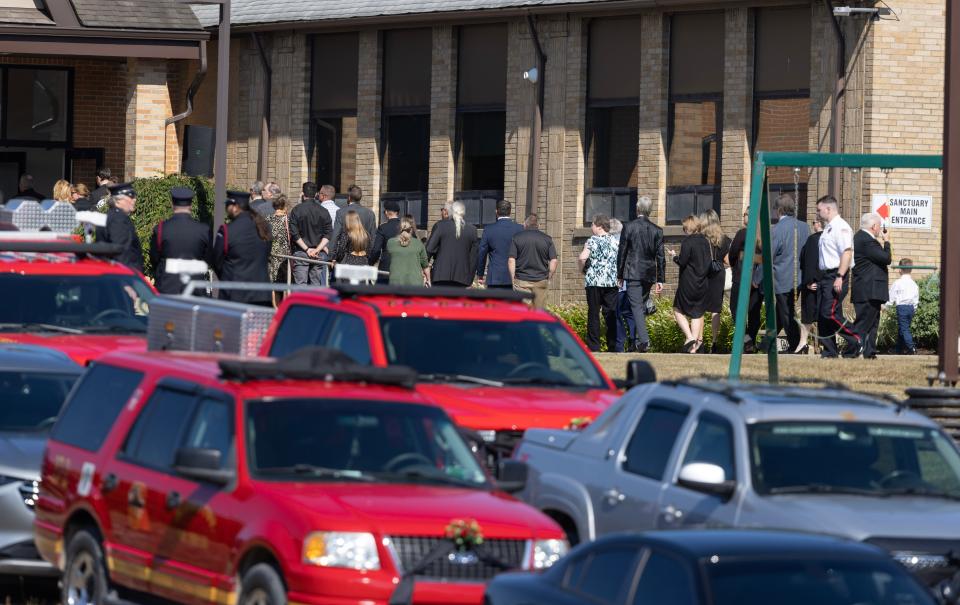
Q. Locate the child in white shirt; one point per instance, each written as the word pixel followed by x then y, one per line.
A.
pixel 905 296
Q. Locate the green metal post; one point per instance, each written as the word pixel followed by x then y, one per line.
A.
pixel 743 296
pixel 769 298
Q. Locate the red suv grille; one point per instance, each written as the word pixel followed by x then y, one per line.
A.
pixel 410 550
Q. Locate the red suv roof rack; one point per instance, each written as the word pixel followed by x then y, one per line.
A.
pixel 315 363
pixel 351 290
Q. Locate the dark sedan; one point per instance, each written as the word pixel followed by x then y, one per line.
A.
pixel 721 567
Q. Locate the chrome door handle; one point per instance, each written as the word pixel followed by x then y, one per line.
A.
pixel 614 497
pixel 672 514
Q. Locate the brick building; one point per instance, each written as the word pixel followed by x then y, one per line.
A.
pixel 89 83
pixel 426 101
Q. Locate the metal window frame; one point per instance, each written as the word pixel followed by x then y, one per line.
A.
pixel 67 143
pixel 760 215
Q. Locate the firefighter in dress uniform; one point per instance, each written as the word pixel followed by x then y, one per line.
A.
pixel 241 250
pixel 179 237
pixel 120 229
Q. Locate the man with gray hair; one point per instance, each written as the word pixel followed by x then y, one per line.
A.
pixel 871 257
pixel 258 199
pixel 789 235
pixel 641 266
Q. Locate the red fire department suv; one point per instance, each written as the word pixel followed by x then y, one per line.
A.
pixel 497 366
pixel 65 295
pixel 306 480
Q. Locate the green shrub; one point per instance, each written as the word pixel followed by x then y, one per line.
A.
pixel 153 204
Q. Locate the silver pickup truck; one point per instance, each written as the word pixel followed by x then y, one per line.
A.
pixel 717 454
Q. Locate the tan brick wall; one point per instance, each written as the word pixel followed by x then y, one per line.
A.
pixel 443 119
pixel 570 283
pixel 148 105
pixel 369 94
pixel 655 69
pixel 521 96
pixel 904 114
pixel 737 115
pixel 348 153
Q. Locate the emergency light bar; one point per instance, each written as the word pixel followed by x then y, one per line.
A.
pixel 50 216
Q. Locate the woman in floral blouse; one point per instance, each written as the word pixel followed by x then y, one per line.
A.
pixel 599 260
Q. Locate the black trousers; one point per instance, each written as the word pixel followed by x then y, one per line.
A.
pixel 601 300
pixel 753 313
pixel 786 320
pixel 831 320
pixel 868 320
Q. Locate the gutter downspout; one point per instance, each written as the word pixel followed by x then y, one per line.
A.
pixel 835 185
pixel 533 170
pixel 265 120
pixel 191 92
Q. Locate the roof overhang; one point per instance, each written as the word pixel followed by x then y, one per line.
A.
pixel 90 42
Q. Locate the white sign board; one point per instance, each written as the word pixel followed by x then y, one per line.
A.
pixel 904 211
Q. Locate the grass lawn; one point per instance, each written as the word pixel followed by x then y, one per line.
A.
pixel 889 374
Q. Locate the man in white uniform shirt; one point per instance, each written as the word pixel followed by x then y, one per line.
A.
pixel 836 260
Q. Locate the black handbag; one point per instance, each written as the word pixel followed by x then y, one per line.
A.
pixel 716 265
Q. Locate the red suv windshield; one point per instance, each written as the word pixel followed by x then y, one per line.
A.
pixel 516 353
pixel 74 303
pixel 351 440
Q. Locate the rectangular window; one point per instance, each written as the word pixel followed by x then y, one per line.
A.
pixel 37 111
pixel 695 118
pixel 652 442
pixel 158 431
pixel 481 118
pixel 407 67
pixel 781 118
pixel 333 107
pixel 91 410
pixel 611 141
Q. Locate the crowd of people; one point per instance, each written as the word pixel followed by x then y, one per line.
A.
pixel 623 265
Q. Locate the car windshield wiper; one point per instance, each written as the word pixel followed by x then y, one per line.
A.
pixel 309 470
pixel 116 329
pixel 436 476
pixel 925 492
pixel 540 380
pixel 459 378
pixel 823 488
pixel 36 327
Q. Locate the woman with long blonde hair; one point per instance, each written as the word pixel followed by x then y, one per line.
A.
pixel 353 242
pixel 719 249
pixel 408 257
pixel 690 301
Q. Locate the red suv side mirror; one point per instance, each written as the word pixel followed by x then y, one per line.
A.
pixel 203 465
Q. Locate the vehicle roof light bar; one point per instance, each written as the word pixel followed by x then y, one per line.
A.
pixel 60 246
pixel 354 290
pixel 316 363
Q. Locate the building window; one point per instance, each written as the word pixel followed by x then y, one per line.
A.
pixel 611 142
pixel 481 119
pixel 781 118
pixel 333 108
pixel 36 127
pixel 407 60
pixel 695 116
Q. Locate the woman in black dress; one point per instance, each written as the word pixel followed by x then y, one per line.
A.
pixel 690 301
pixel 719 248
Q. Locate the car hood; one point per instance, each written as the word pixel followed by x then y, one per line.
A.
pixel 395 509
pixel 517 408
pixel 81 348
pixel 858 517
pixel 21 454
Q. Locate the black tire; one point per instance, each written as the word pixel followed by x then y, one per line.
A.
pixel 85 580
pixel 262 585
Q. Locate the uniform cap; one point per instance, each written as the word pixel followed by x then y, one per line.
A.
pixel 182 196
pixel 237 197
pixel 123 189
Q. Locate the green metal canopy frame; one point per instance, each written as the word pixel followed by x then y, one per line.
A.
pixel 760 215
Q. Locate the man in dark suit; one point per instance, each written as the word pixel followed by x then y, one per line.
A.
pixel 180 237
pixel 387 230
pixel 871 257
pixel 120 229
pixel 495 244
pixel 641 264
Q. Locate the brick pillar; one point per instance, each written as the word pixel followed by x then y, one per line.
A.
pixel 737 116
pixel 369 102
pixel 148 105
pixel 443 118
pixel 569 280
pixel 289 112
pixel 521 96
pixel 654 97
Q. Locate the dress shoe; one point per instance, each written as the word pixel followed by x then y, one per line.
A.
pixel 642 347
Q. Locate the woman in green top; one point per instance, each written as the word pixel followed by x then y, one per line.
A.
pixel 408 257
